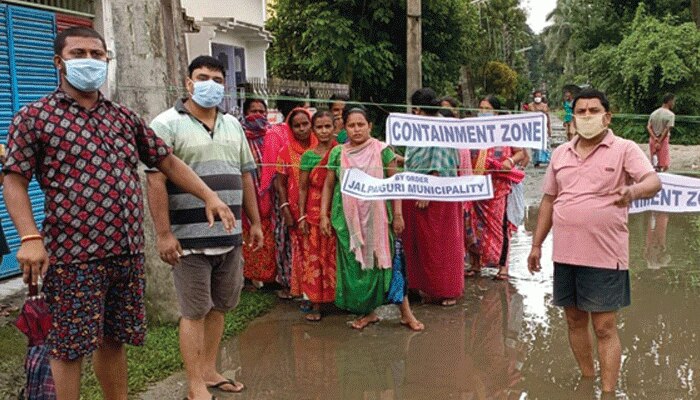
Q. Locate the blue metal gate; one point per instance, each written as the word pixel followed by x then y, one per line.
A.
pixel 27 73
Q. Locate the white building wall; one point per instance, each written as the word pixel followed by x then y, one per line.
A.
pixel 247 11
pixel 256 65
pixel 250 11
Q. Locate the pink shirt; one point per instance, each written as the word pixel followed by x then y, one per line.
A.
pixel 588 229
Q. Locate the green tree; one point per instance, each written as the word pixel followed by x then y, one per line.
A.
pixel 503 32
pixel 500 79
pixel 363 43
pixel 656 56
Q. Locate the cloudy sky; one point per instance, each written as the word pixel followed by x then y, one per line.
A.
pixel 537 12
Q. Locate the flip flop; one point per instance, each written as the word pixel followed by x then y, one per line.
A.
pixel 448 302
pixel 313 316
pixel 212 398
pixel 231 382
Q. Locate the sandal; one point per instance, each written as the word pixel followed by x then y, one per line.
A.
pixel 234 384
pixel 313 316
pixel 448 302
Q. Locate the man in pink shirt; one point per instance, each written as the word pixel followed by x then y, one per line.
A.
pixel 587 192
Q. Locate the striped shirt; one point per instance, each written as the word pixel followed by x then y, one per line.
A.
pixel 219 157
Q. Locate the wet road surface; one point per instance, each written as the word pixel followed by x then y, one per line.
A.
pixel 504 340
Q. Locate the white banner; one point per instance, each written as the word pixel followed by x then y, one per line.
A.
pixel 678 194
pixel 409 185
pixel 517 130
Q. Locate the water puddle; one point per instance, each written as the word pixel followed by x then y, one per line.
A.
pixel 504 340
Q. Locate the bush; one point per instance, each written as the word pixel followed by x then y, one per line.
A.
pixel 634 127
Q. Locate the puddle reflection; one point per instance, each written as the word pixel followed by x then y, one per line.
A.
pixel 503 341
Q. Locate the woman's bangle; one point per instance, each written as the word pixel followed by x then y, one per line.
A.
pixel 303 217
pixel 30 237
pixel 512 163
pixel 283 205
pixel 536 245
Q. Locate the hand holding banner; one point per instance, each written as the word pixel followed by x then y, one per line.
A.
pixel 678 194
pixel 517 130
pixel 409 185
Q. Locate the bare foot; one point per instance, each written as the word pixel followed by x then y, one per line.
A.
pixel 412 323
pixel 362 322
pixel 472 272
pixel 502 274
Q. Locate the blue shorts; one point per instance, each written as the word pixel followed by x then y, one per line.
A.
pixel 591 289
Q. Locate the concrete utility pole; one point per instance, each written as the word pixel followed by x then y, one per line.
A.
pixel 414 48
pixel 148 40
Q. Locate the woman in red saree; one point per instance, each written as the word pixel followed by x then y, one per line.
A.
pixel 260 265
pixel 287 188
pixel 276 138
pixel 318 266
pixel 489 230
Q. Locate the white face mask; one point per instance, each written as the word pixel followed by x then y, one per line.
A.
pixel 538 99
pixel 590 126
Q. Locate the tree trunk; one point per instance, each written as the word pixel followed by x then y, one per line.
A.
pixel 695 10
pixel 414 48
pixel 149 45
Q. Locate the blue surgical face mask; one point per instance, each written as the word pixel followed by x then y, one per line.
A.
pixel 208 94
pixel 86 74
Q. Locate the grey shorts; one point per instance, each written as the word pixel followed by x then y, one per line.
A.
pixel 204 283
pixel 591 289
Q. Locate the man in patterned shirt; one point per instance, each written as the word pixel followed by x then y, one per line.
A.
pixel 84 151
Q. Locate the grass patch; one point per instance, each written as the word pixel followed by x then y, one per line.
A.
pixel 13 348
pixel 148 364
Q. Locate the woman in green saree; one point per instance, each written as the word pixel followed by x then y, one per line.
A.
pixel 364 239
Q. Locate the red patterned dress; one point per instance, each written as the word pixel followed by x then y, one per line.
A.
pixel 318 266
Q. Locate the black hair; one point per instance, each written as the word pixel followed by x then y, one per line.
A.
pixel 354 110
pixel 493 100
pixel 76 31
pixel 537 91
pixel 249 102
pixel 208 62
pixel 668 97
pixel 285 106
pixel 293 114
pixel 591 93
pixel 446 113
pixel 426 99
pixel 451 100
pixel 319 114
pixel 339 97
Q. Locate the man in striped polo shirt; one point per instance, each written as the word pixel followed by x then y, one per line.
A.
pixel 206 261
